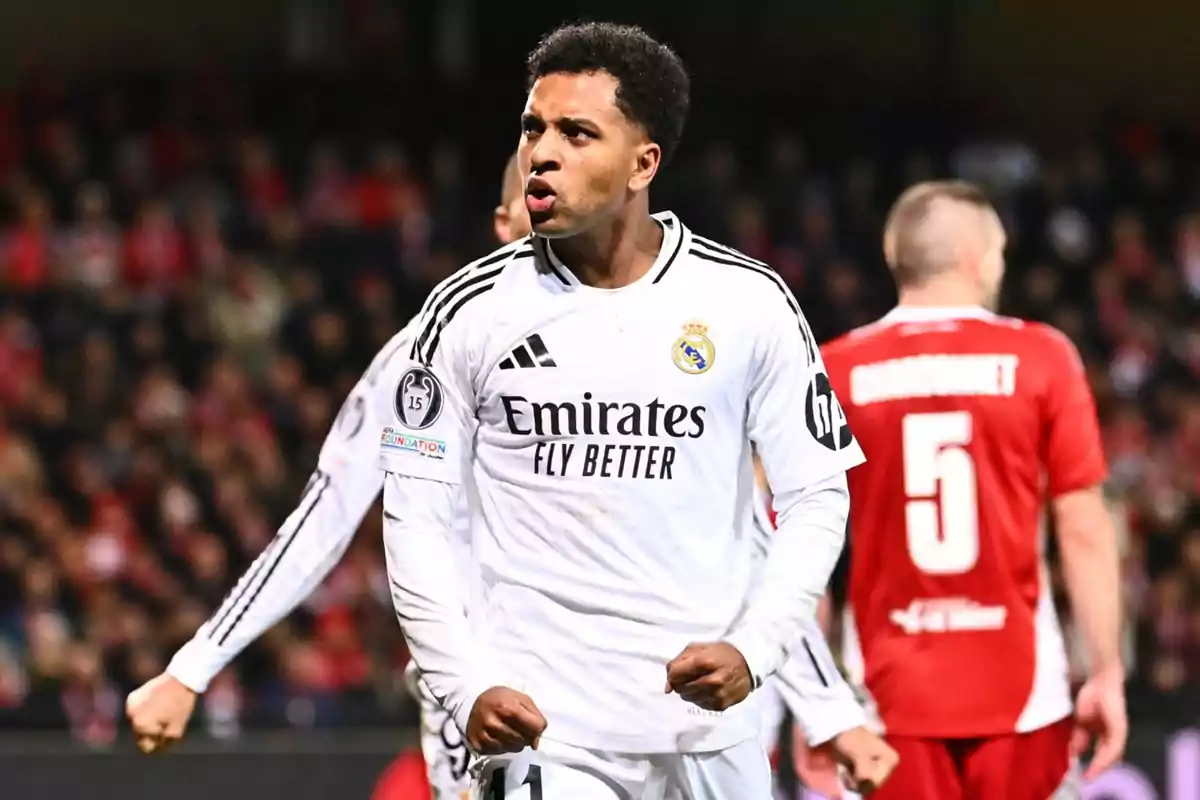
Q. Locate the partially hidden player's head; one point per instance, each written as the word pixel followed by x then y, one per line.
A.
pixel 510 220
pixel 945 245
pixel 606 109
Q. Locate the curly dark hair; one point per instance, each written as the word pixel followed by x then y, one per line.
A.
pixel 652 84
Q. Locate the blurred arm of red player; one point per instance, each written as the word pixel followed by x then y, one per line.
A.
pixel 1087 543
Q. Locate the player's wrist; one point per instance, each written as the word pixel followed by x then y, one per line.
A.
pixel 1109 672
pixel 463 705
pixel 196 663
pixel 756 655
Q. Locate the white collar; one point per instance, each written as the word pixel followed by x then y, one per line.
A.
pixel 936 313
pixel 673 239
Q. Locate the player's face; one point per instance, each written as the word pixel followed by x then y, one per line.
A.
pixel 581 158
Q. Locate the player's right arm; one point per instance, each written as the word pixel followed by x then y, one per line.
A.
pixel 427 433
pixel 806 468
pixel 1087 542
pixel 307 546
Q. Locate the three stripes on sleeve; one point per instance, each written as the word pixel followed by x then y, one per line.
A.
pixel 247 590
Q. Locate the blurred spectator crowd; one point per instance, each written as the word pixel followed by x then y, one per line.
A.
pixel 186 297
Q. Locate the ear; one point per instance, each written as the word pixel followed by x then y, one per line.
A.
pixel 501 224
pixel 648 158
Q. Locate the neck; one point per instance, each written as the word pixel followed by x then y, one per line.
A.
pixel 615 253
pixel 940 294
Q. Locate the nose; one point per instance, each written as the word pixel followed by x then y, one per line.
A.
pixel 544 156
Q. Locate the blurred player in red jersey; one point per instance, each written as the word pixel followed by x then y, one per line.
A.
pixel 972 423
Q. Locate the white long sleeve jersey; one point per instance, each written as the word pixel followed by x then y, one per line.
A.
pixel 606 435
pixel 809 684
pixel 310 541
pixel 314 536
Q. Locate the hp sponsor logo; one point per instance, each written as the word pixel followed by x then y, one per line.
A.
pixel 824 415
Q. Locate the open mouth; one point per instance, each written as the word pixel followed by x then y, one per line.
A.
pixel 539 196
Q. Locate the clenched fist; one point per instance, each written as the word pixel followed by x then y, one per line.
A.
pixel 867 758
pixel 504 721
pixel 864 760
pixel 713 676
pixel 159 711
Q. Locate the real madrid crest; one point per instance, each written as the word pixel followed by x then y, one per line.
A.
pixel 694 352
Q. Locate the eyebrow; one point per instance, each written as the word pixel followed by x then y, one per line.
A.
pixel 579 122
pixel 582 122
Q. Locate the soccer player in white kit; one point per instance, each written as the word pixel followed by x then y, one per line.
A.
pixel 307 546
pixel 598 388
pixel 314 536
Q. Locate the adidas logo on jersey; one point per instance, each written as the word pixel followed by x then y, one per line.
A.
pixel 528 355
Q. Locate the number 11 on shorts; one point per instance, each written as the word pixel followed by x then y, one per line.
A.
pixel 496 789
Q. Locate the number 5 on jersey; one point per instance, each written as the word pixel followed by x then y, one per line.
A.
pixel 939 475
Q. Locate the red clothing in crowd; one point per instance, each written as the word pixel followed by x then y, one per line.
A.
pixel 27 258
pixel 154 255
pixel 20 358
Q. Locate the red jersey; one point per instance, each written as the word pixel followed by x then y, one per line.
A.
pixel 970 422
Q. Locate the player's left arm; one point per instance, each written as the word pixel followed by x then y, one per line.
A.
pixel 810 683
pixel 801 434
pixel 1087 538
pixel 1087 544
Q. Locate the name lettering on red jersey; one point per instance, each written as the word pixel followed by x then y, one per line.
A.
pixel 934 376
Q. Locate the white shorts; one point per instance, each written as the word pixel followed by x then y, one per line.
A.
pixel 556 770
pixel 445 750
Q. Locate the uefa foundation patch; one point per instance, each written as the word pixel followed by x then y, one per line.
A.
pixel 395 441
